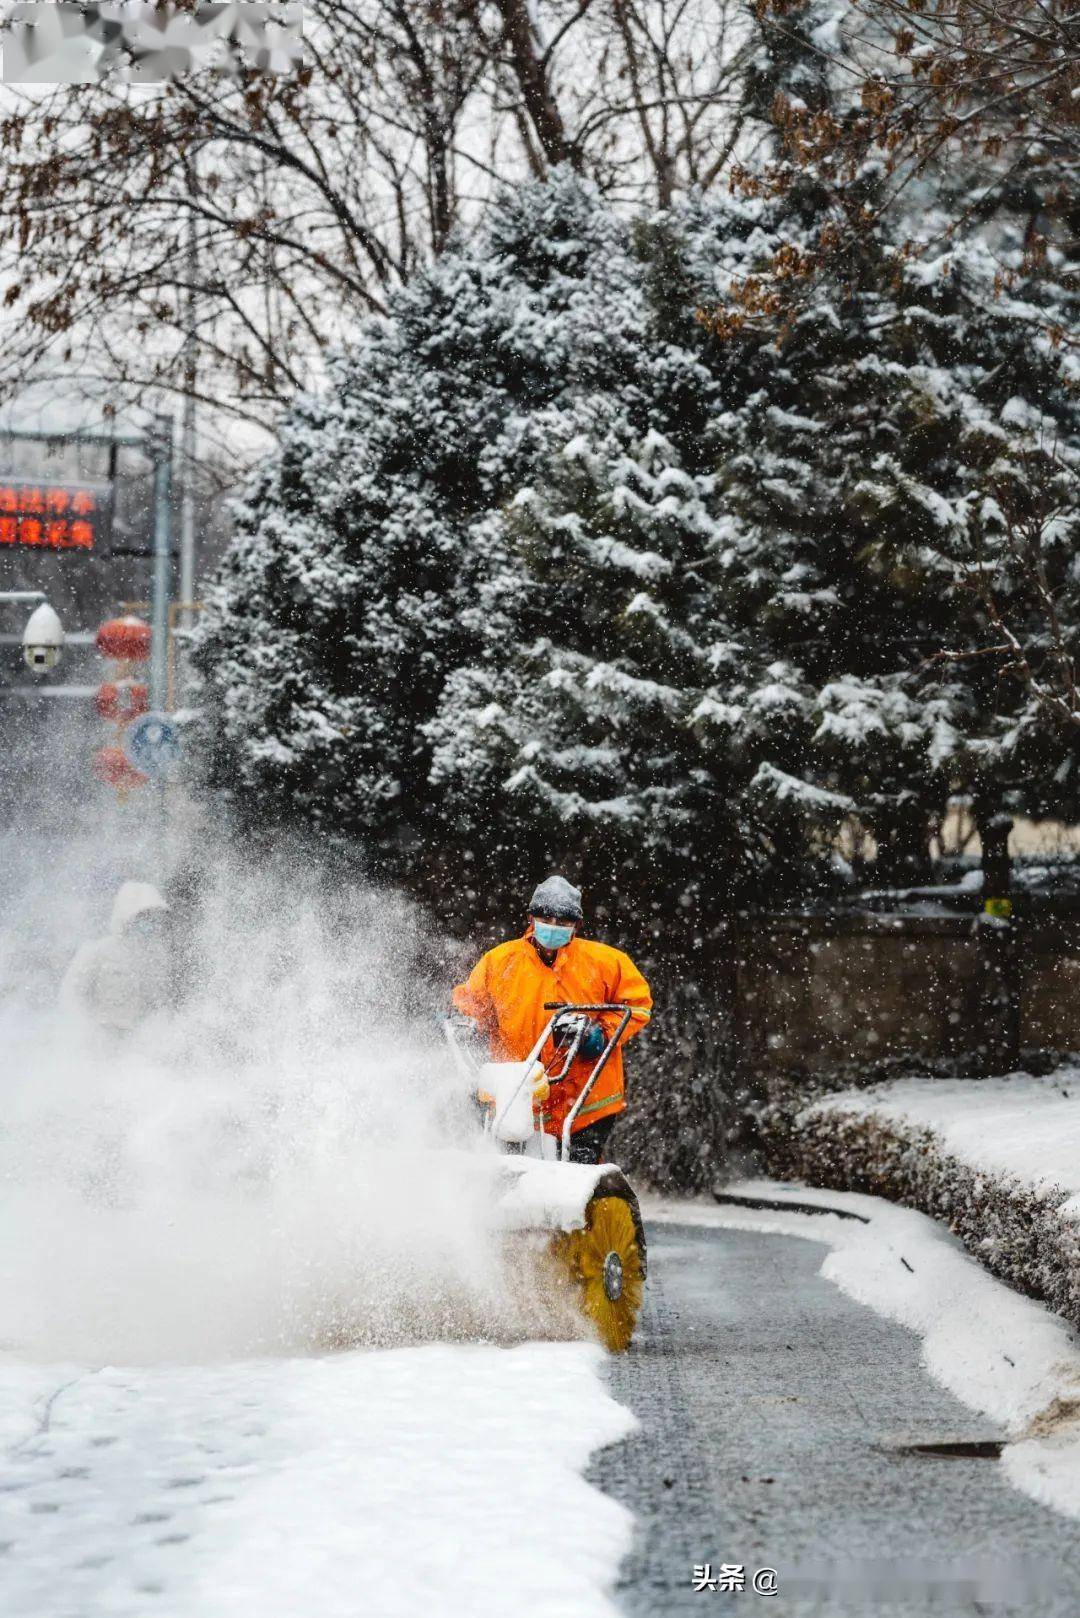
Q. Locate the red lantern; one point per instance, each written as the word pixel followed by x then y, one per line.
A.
pixel 107 701
pixel 121 701
pixel 125 640
pixel 112 768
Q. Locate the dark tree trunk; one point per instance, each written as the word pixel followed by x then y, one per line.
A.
pixel 537 95
pixel 903 847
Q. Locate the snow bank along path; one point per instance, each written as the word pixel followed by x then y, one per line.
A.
pixel 443 1479
pixel 998 1160
pixel 1001 1354
pixel 1024 1127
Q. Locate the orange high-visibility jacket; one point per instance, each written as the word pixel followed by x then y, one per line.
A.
pixel 506 992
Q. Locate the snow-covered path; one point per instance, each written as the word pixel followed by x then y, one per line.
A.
pixel 438 1479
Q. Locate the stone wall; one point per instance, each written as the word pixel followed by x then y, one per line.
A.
pixel 782 1007
pixel 838 994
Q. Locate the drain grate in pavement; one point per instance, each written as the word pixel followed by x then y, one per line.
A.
pixel 958 1449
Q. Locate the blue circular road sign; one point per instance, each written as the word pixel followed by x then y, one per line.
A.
pixel 152 744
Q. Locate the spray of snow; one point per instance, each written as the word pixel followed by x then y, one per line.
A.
pixel 261 1166
pixel 276 1162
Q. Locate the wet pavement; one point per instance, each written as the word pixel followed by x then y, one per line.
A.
pixel 774 1412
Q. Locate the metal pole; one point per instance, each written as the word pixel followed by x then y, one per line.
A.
pixel 161 450
pixel 187 427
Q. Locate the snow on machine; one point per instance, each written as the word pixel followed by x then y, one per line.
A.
pixel 584 1216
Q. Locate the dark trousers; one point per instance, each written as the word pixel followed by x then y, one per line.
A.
pixel 587 1145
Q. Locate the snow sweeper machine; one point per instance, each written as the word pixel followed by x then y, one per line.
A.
pixel 583 1217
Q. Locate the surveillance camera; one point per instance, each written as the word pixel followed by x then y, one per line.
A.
pixel 43 639
pixel 40 658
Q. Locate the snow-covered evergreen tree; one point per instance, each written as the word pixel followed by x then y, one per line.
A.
pixel 601 632
pixel 351 589
pixel 550 574
pixel 556 573
pixel 861 445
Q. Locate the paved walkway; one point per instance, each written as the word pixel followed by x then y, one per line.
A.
pixel 772 1408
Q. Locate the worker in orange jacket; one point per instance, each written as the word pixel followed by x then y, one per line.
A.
pixel 508 988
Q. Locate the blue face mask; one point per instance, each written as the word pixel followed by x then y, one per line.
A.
pixel 549 937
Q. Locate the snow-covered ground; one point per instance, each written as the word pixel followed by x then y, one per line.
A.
pixel 1021 1126
pixel 443 1479
pixel 1001 1354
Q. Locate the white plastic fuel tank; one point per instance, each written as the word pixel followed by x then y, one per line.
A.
pixel 510 1084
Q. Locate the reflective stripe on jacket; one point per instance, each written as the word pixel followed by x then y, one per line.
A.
pixel 506 992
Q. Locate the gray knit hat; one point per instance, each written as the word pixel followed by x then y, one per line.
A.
pixel 556 897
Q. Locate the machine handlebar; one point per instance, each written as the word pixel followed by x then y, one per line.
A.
pixel 570 1005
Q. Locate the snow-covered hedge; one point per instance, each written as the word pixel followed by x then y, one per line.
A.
pixel 998 1196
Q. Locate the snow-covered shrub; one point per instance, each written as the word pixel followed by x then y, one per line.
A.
pixel 1020 1232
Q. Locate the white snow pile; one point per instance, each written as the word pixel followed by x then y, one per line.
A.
pixel 442 1479
pixel 1003 1355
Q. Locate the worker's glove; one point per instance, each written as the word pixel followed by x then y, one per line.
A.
pixel 593 1042
pixel 565 1030
pixel 541 1089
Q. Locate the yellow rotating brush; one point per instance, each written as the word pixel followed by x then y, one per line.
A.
pixel 604 1262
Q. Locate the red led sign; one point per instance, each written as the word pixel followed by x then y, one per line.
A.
pixel 53 516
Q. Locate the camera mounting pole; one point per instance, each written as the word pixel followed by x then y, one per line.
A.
pixel 159 443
